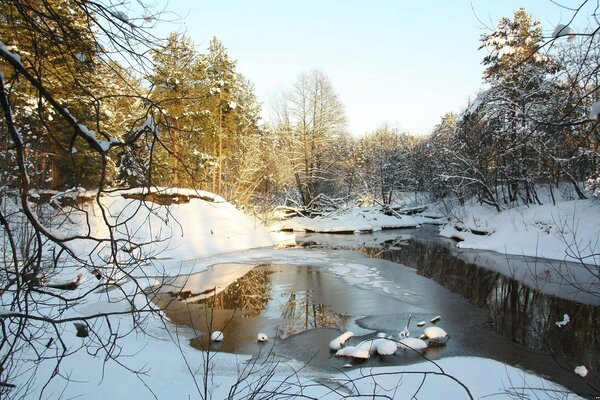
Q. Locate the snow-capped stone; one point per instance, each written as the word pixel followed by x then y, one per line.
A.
pixel 381 335
pixel 370 345
pixel 216 336
pixel 581 371
pixel 435 333
pixel 421 324
pixel 412 344
pixel 262 337
pixel 354 352
pixel 386 347
pixel 564 321
pixel 339 341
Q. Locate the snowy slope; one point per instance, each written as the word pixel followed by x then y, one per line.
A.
pixel 564 231
pixel 173 233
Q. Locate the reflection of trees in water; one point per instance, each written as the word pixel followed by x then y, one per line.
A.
pixel 303 314
pixel 250 293
pixel 521 313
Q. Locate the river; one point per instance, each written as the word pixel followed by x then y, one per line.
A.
pixel 493 306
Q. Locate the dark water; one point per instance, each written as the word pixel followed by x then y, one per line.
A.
pixel 302 308
pixel 518 311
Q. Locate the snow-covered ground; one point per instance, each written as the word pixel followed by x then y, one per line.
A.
pixel 207 232
pixel 353 220
pixel 569 230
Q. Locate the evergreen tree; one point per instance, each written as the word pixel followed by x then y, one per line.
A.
pixel 507 114
pixel 177 90
pixel 222 81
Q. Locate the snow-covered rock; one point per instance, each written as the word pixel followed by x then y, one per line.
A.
pixel 339 341
pixel 386 347
pixel 262 337
pixel 354 352
pixel 410 343
pixel 435 333
pixel 217 336
pixel 581 370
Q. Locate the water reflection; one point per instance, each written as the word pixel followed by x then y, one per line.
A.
pixel 520 312
pixel 302 313
pixel 243 300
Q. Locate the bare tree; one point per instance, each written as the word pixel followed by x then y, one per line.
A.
pixel 312 117
pixel 52 55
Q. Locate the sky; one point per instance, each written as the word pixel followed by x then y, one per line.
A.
pixel 405 63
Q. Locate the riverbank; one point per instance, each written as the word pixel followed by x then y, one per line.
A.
pixel 153 357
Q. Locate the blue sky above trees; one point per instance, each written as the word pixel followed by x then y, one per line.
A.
pixel 402 62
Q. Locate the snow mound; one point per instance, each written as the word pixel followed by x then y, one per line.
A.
pixel 191 225
pixel 545 231
pixel 581 371
pixel 339 341
pixel 410 343
pixel 354 352
pixel 386 347
pixel 354 220
pixel 435 333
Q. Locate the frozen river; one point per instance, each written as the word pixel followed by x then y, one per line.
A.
pixel 394 275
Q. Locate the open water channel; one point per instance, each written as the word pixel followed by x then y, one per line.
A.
pixel 492 306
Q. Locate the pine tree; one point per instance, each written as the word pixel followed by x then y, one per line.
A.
pixel 222 82
pixel 520 88
pixel 179 94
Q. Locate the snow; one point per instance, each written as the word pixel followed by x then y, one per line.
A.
pixel 370 345
pixel 339 341
pixel 435 332
pixel 412 344
pixel 386 347
pixel 216 336
pixel 203 227
pixel 581 371
pixel 483 377
pixel 558 232
pixel 354 352
pixel 212 233
pixel 564 321
pixel 354 220
pixel 262 337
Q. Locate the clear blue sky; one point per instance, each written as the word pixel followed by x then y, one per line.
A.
pixel 396 61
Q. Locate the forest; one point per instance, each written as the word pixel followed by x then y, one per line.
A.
pixel 184 117
pixel 100 111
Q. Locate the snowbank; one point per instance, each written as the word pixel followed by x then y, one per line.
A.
pixel 354 220
pixel 564 231
pixel 194 225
